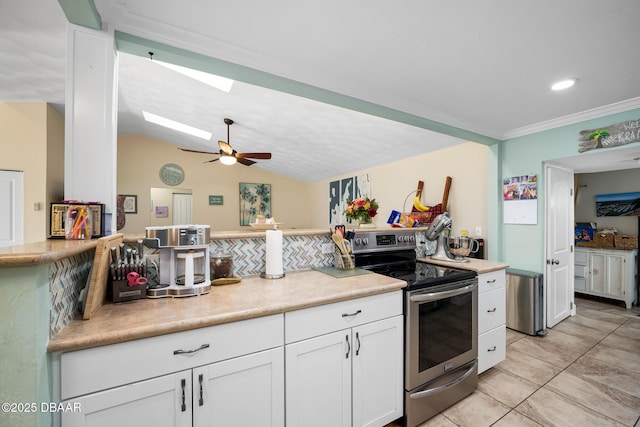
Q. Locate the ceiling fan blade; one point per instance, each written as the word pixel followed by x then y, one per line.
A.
pixel 196 151
pixel 245 162
pixel 224 146
pixel 265 156
pixel 212 160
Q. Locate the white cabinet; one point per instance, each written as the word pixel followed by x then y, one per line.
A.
pixel 344 364
pixel 609 273
pixel 152 402
pixel 492 309
pixel 202 377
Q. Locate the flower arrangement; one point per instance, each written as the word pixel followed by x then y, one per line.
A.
pixel 362 208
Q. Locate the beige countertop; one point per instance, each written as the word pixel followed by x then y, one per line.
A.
pixel 480 266
pixel 253 297
pixel 45 252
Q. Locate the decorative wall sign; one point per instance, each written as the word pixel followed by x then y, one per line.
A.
pixel 171 174
pixel 520 199
pixel 346 188
pixel 255 199
pixel 610 136
pixel 620 204
pixel 216 200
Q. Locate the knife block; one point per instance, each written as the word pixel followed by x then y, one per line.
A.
pixel 120 291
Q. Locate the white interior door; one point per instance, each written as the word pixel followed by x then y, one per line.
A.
pixel 182 208
pixel 11 208
pixel 559 220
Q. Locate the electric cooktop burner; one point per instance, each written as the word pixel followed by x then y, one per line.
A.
pixel 422 275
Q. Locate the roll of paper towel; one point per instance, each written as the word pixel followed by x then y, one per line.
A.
pixel 274 253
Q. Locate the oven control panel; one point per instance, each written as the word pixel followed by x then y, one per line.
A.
pixel 376 241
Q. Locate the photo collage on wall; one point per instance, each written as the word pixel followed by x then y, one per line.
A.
pixel 346 189
pixel 520 197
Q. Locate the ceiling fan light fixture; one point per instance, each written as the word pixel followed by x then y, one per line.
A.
pixel 180 127
pixel 228 160
pixel 564 84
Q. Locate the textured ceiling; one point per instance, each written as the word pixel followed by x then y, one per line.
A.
pixel 484 67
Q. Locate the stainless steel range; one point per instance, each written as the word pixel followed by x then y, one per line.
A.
pixel 441 329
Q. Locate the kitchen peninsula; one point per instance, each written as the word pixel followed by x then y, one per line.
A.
pixel 43 281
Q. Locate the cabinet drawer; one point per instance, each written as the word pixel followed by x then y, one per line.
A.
pixel 90 370
pixel 580 271
pixel 491 309
pixel 492 280
pixel 314 321
pixel 492 348
pixel 580 257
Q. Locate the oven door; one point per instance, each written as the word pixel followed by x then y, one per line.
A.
pixel 441 330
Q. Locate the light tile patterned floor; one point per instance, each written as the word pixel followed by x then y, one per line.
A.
pixel 584 373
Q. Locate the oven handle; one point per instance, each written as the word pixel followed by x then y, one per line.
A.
pixel 424 393
pixel 433 296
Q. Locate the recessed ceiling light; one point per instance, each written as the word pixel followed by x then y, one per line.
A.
pixel 212 80
pixel 564 84
pixel 180 127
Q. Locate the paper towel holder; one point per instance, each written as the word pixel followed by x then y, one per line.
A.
pixel 272 276
pixel 264 275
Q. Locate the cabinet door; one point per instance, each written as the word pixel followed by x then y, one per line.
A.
pixel 378 372
pixel 597 268
pixel 244 391
pixel 318 381
pixel 615 275
pixel 162 401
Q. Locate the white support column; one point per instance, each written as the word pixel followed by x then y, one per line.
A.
pixel 91 103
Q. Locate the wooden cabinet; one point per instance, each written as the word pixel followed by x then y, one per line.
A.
pixel 344 364
pixel 492 308
pixel 229 368
pixel 608 273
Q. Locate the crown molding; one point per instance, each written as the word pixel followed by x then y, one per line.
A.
pixel 618 107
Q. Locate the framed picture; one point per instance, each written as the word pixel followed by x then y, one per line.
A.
pixel 618 204
pixel 130 204
pixel 58 215
pixel 255 199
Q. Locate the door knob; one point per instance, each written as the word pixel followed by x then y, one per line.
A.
pixel 553 261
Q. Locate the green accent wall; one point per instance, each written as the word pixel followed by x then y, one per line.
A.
pixel 522 246
pixel 25 373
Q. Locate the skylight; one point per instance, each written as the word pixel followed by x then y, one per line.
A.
pixel 180 127
pixel 221 83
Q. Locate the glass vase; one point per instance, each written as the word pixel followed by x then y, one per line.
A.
pixel 366 222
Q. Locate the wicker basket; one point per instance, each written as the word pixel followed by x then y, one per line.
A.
pixel 625 241
pixel 603 240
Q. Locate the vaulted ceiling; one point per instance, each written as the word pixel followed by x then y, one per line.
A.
pixel 332 87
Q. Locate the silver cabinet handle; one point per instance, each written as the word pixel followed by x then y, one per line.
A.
pixel 434 296
pixel 491 281
pixel 492 310
pixel 351 314
pixel 492 348
pixel 201 400
pixel 202 347
pixel 358 341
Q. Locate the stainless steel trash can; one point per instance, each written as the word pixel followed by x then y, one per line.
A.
pixel 525 302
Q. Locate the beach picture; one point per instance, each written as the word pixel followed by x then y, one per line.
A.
pixel 619 204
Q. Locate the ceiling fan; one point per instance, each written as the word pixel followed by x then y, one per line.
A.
pixel 229 156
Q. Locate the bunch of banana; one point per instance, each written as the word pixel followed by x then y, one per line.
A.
pixel 419 206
